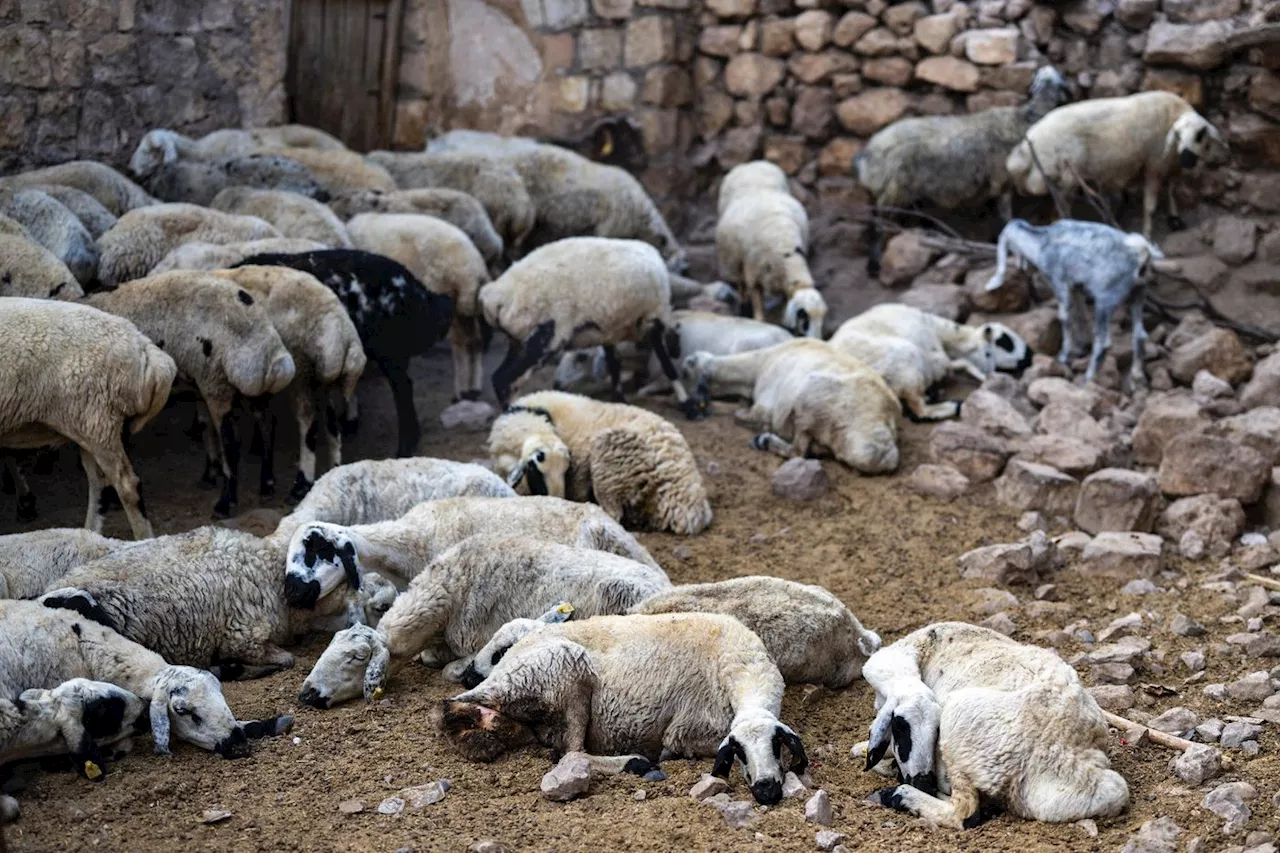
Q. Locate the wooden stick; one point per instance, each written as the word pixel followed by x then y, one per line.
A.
pixel 1264 582
pixel 1161 738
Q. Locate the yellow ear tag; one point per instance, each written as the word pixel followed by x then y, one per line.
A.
pixel 92 770
pixel 377 693
pixel 564 607
pixel 607 148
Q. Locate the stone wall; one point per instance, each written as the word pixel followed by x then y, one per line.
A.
pixel 87 78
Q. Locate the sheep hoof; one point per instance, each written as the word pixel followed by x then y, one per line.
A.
pixel 27 507
pixel 888 797
pixel 223 508
pixel 1175 223
pixel 640 767
pixel 760 441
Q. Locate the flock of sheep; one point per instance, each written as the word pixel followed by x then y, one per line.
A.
pixel 268 261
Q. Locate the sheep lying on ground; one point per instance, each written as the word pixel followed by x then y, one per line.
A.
pixel 633 463
pixel 339 170
pixel 454 605
pixel 1104 262
pixel 223 342
pixel 70 372
pixel 675 685
pixel 327 355
pixel 447 264
pixel 747 179
pixel 914 350
pixel 456 208
pixel 324 556
pixel 1109 143
pixel 29 269
pixel 200 181
pixel 953 162
pixel 112 190
pixel 829 402
pixel 976 715
pixel 56 228
pixel 554 299
pixel 395 315
pixel 141 238
pixel 42 647
pixel 29 562
pixel 161 146
pixel 212 256
pixel 293 215
pixel 88 210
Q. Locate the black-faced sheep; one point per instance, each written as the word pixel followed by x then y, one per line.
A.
pixel 635 464
pixel 29 269
pixel 635 689
pixel 395 315
pixel 56 228
pixel 29 562
pixel 292 214
pixel 112 190
pixel 71 372
pixel 1110 142
pixel 975 715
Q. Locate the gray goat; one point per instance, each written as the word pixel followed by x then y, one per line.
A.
pixel 1105 261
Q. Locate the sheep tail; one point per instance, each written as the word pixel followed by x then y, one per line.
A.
pixel 154 382
pixel 1002 257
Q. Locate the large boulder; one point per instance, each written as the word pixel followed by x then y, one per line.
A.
pixel 1054 389
pixel 1196 464
pixel 1122 555
pixel 1069 420
pixel 1024 562
pixel 1201 47
pixel 977 455
pixel 1258 428
pixel 1218 351
pixel 992 413
pixel 1069 455
pixel 1030 486
pixel 1117 499
pixel 1165 417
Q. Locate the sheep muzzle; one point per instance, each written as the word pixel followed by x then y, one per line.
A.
pixel 767 792
pixel 1188 158
pixel 301 594
pixel 479 733
pixel 234 745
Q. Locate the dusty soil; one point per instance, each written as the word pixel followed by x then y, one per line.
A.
pixel 889 553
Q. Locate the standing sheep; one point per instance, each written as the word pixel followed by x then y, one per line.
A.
pixel 112 190
pixel 953 162
pixel 292 214
pixel 1110 142
pixel 747 179
pixel 456 208
pixel 633 463
pixel 54 227
pixel 339 170
pixel 29 562
pixel 70 372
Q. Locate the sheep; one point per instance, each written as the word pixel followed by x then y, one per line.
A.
pixel 1105 262
pixel 160 147
pixel 667 686
pixel 633 463
pixel 829 402
pixel 615 140
pixel 323 556
pixel 71 372
pixel 112 190
pixel 446 263
pixel 395 315
pixel 339 170
pixel 222 341
pixel 954 162
pixel 200 181
pixel 141 238
pixel 212 256
pixel 978 716
pixel 914 350
pixel 747 179
pixel 691 331
pixel 553 299
pixel 454 207
pixel 292 214
pixel 1109 142
pixel 761 243
pixel 29 269
pixel 327 356
pixel 458 600
pixel 54 227
pixel 30 561
pixel 92 215
pixel 494 183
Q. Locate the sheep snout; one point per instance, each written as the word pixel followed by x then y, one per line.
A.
pixel 234 745
pixel 481 734
pixel 312 699
pixel 301 594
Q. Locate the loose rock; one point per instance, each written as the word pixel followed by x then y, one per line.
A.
pixel 468 415
pixel 1197 764
pixel 939 481
pixel 1175 721
pixel 818 808
pixel 351 806
pixel 1235 734
pixel 708 786
pixel 568 779
pixel 1119 500
pixel 827 839
pixel 1194 464
pixel 1122 555
pixel 801 480
pixel 1228 801
pixel 1029 485
pixel 429 794
pixel 1154 836
pixel 1254 687
pixel 391 805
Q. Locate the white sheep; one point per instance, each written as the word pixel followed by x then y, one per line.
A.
pixel 199 181
pixel 112 190
pixel 161 146
pixel 215 256
pixel 71 372
pixel 827 401
pixel 555 299
pixel 293 215
pixel 223 342
pixel 339 170
pixel 29 562
pixel 750 178
pixel 635 689
pixel 636 465
pixel 455 604
pixel 1110 143
pixel 29 269
pixel 980 717
pixel 456 208
pixel 914 350
pixel 91 212
pixel 141 238
pixel 56 228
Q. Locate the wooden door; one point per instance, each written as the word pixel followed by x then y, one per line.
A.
pixel 343 65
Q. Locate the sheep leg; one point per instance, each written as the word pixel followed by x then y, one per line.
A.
pixel 265 425
pixel 1174 221
pixel 397 373
pixel 501 384
pixel 1150 196
pixel 614 364
pixel 92 473
pixel 1136 304
pixel 114 465
pixel 226 426
pixel 15 482
pixel 351 417
pixel 757 303
pixel 693 407
pixel 771 442
pixel 918 410
pixel 302 402
pixel 960 365
pixel 959 811
pixel 1064 319
pixel 876 249
pixel 332 434
pixel 464 385
pixel 266 661
pixel 637 765
pixel 212 455
pixel 1101 339
pixel 522 357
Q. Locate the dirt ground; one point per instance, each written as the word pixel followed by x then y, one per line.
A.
pixel 887 552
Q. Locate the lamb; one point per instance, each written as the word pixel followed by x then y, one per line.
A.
pixel 200 181
pixel 456 208
pixel 29 562
pixel 292 214
pixel 160 147
pixel 446 263
pixel 1105 262
pixel 212 256
pixel 42 647
pixel 494 183
pixel 674 685
pixel 29 269
pixel 339 170
pixel 327 355
pixel 54 227
pixel 553 300
pixel 914 350
pixel 88 210
pixel 954 162
pixel 456 603
pixel 980 717
pixel 1109 142
pixel 748 179
pixel 222 341
pixel 396 317
pixel 829 402
pixel 112 190
pixel 71 372
pixel 636 465
pixel 141 238
pixel 324 556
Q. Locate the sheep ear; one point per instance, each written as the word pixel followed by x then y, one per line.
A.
pixel 988 334
pixel 347 554
pixel 516 476
pixel 562 612
pixel 724 757
pixel 375 676
pixel 160 721
pixel 537 483
pixel 791 740
pixel 1171 141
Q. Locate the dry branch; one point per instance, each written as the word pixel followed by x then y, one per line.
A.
pixel 1264 582
pixel 1137 732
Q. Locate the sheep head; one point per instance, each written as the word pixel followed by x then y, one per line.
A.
pixel 188 702
pixel 806 312
pixel 580 366
pixel 995 346
pixel 158 148
pixel 542 468
pixel 1190 139
pixel 321 557
pixel 756 739
pixel 354 664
